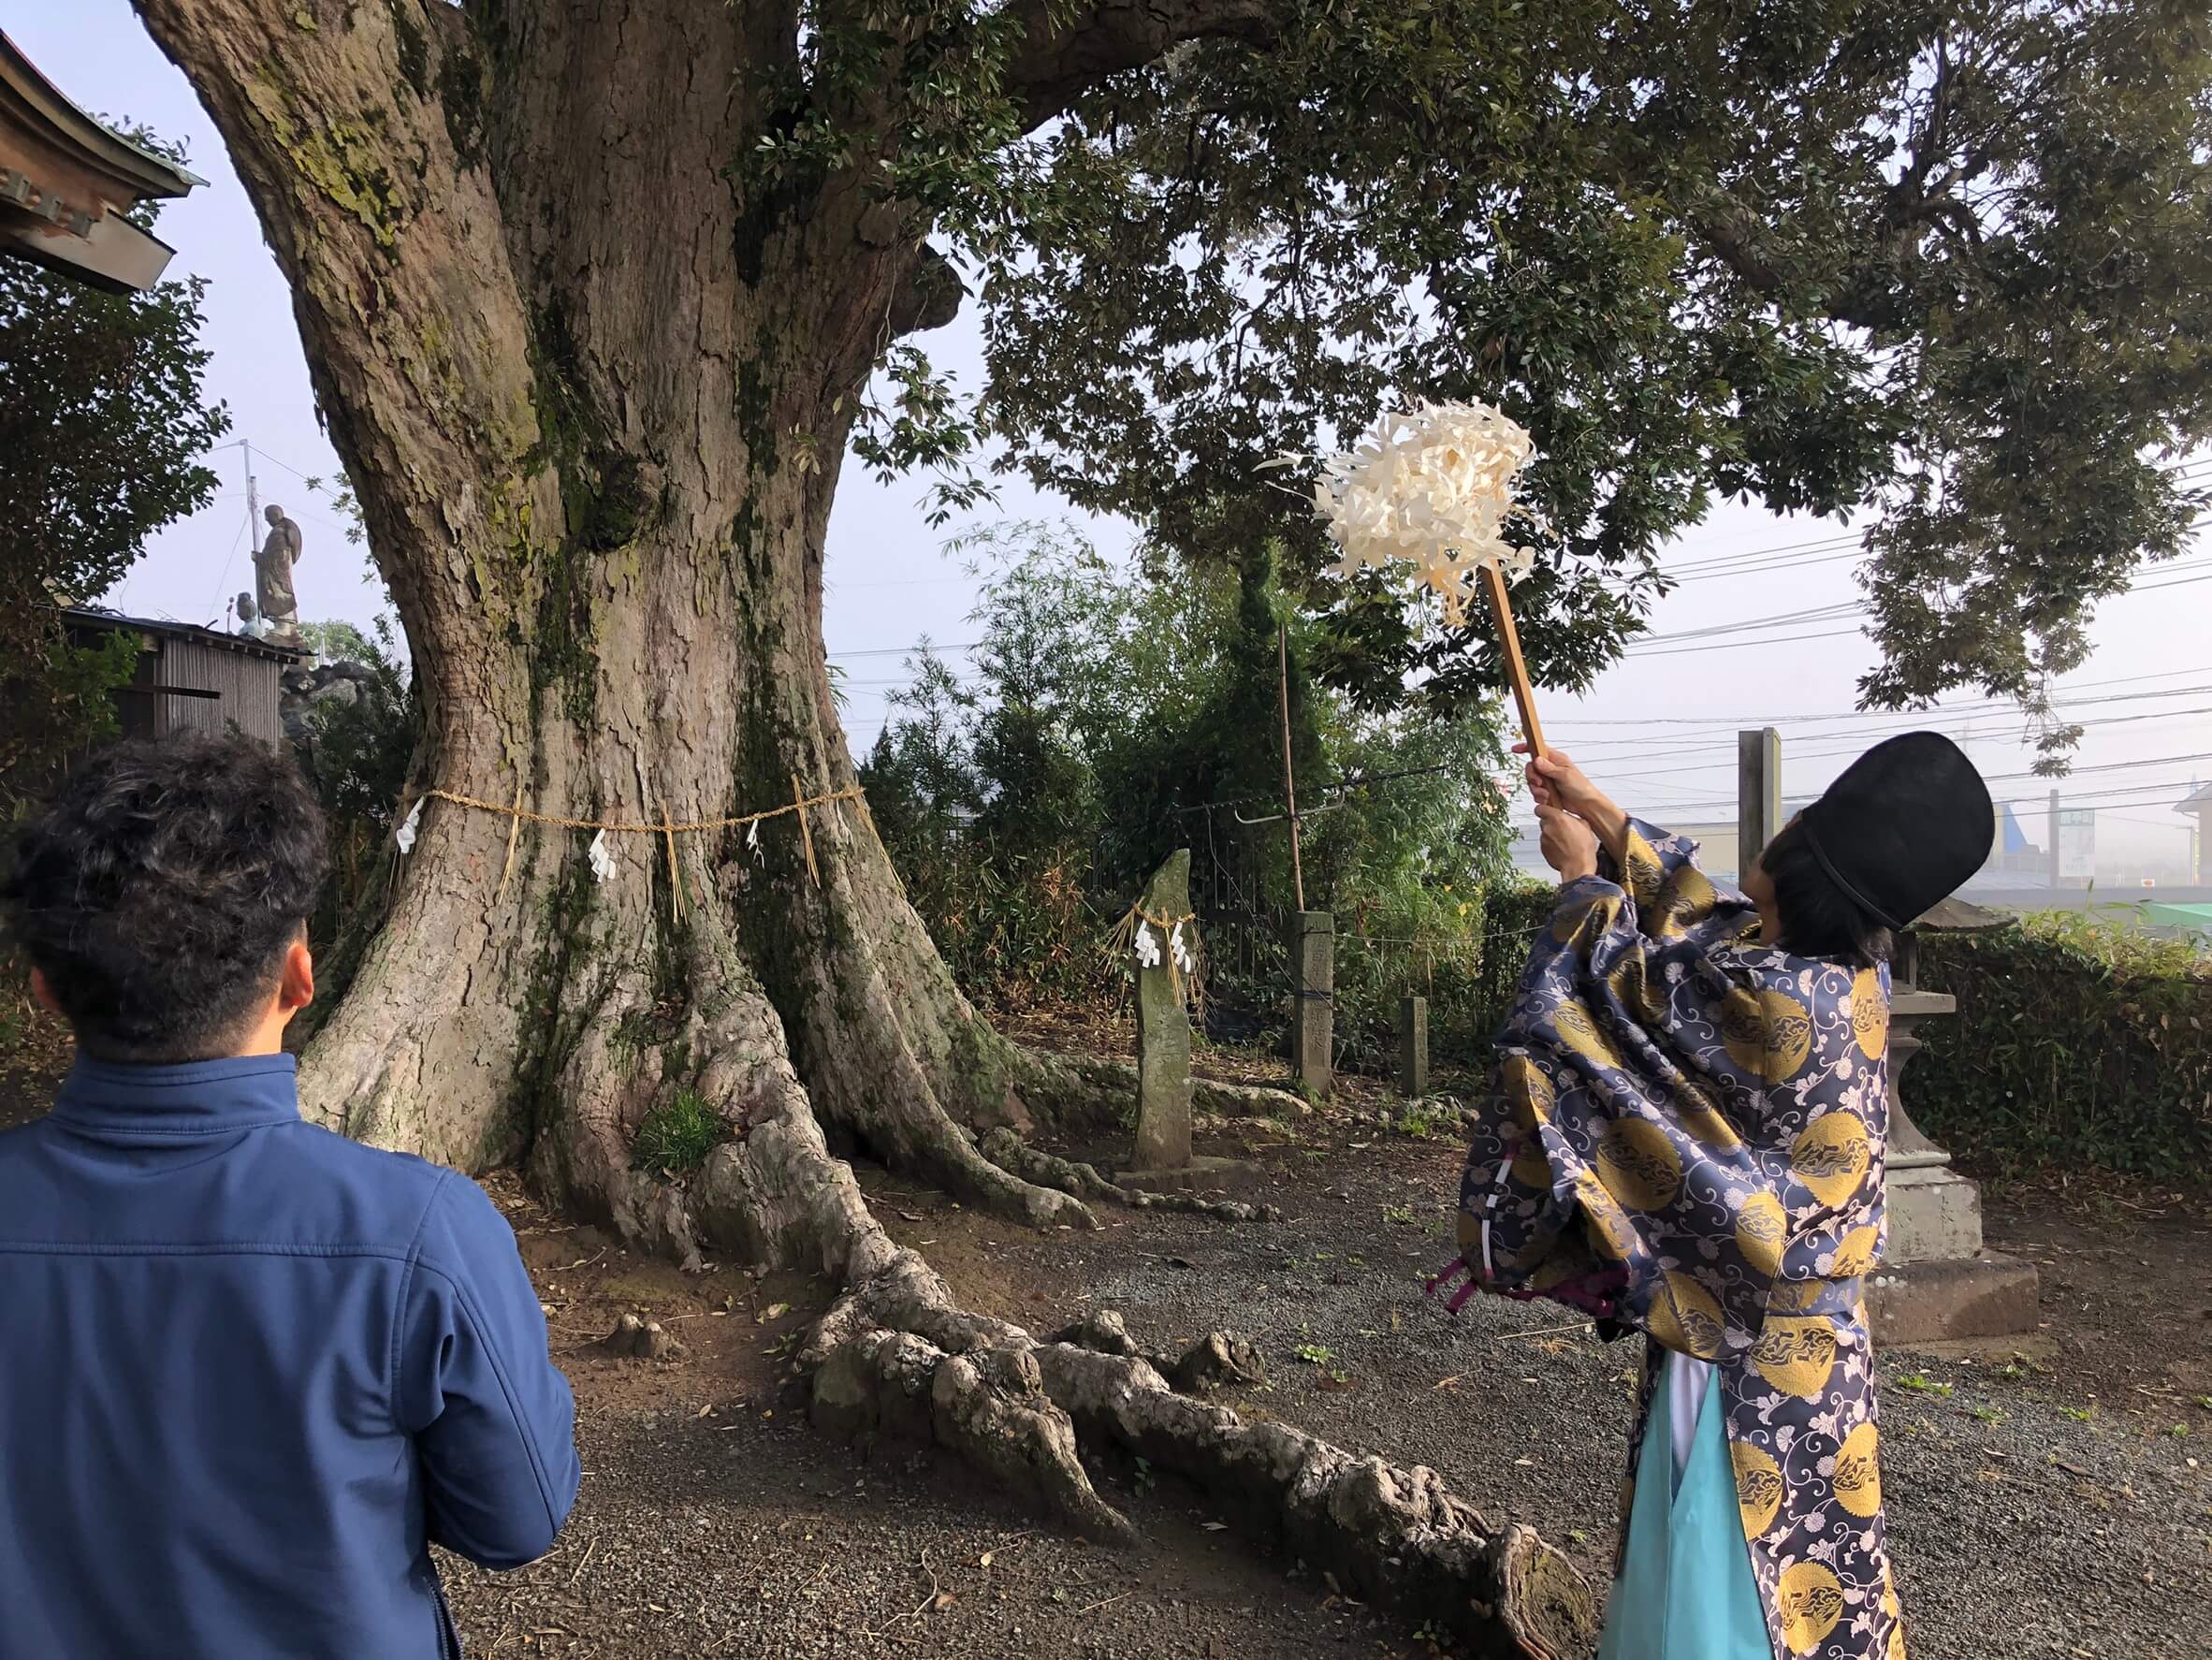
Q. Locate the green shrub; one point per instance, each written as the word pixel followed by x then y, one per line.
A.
pixel 1107 722
pixel 1462 951
pixel 356 755
pixel 2076 1042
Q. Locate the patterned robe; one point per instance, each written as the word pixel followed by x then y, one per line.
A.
pixel 1688 1139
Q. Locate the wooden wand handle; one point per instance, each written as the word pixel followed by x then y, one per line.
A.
pixel 1524 695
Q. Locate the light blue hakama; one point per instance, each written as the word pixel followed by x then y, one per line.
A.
pixel 1685 1590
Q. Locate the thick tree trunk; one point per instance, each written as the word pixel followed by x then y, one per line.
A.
pixel 594 409
pixel 594 403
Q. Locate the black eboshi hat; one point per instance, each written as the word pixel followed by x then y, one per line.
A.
pixel 1907 822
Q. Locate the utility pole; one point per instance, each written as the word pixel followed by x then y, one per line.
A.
pixel 1759 795
pixel 2057 868
pixel 1313 934
pixel 1289 783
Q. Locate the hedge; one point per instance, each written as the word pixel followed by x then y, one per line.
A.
pixel 2075 1042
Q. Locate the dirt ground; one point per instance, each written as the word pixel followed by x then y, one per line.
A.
pixel 2052 1490
pixel 2056 1493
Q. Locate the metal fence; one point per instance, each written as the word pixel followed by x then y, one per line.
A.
pixel 1470 980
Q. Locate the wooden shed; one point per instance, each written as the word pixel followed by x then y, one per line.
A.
pixel 192 678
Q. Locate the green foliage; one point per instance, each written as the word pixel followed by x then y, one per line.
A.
pixel 2076 1042
pixel 677 1134
pixel 339 639
pixel 357 754
pixel 1919 1383
pixel 339 495
pixel 1944 262
pixel 61 699
pixel 1109 720
pixel 104 435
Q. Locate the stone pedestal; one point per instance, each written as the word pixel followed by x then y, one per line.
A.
pixel 1935 1214
pixel 1163 1031
pixel 1313 986
pixel 1935 1282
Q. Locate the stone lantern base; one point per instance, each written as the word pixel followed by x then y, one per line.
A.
pixel 1936 1283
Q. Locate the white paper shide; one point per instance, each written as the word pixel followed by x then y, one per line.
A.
pixel 1436 489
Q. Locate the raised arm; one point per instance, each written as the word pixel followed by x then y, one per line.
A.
pixel 1667 894
pixel 1556 781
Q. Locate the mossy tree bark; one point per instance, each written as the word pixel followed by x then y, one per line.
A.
pixel 594 403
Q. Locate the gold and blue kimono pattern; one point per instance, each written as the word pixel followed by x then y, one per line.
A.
pixel 1690 1126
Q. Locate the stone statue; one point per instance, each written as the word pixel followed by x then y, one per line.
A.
pixel 272 575
pixel 250 620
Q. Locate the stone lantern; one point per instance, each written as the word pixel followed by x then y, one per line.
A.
pixel 1936 1281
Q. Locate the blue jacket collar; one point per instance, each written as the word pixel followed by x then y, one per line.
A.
pixel 201 1097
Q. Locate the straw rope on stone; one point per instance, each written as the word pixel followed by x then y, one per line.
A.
pixel 1123 942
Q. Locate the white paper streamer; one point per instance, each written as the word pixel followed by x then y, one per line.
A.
pixel 1147 947
pixel 1433 489
pixel 407 832
pixel 601 861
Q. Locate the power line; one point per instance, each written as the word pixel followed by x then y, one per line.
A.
pixel 1824 550
pixel 1719 762
pixel 1743 720
pixel 2111 766
pixel 2133 795
pixel 1912 719
pixel 1859 607
pixel 918 648
pixel 1834 633
pixel 2153 823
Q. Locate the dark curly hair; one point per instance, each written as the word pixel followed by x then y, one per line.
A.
pixel 158 890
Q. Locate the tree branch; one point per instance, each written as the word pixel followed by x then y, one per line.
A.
pixel 929 298
pixel 1065 57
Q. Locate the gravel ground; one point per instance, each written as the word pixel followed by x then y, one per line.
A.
pixel 757 1538
pixel 2058 1495
pixel 713 1520
pixel 2053 1503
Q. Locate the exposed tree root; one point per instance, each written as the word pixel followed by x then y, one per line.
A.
pixel 1004 1148
pixel 1100 1089
pixel 1392 1536
pixel 896 1361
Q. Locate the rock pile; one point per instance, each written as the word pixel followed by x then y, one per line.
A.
pixel 312 683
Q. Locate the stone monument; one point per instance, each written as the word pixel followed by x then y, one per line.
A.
pixel 1163 1022
pixel 278 604
pixel 1165 940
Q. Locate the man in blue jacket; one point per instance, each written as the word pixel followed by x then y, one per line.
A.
pixel 249 1370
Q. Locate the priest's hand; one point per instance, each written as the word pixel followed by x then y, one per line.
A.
pixel 1570 846
pixel 1555 780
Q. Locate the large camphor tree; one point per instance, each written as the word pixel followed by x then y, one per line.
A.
pixel 595 292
